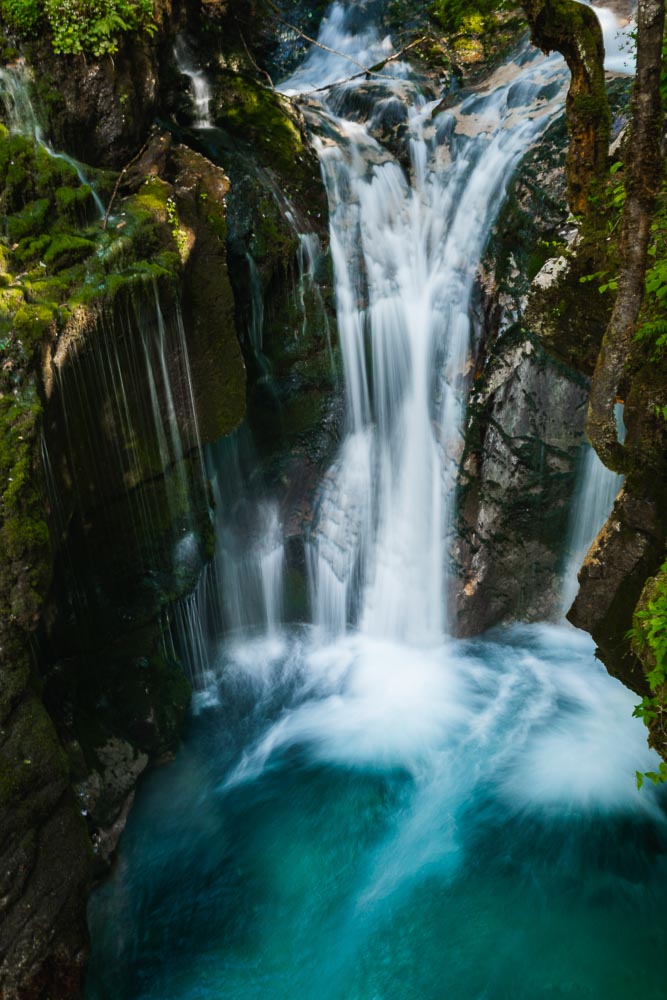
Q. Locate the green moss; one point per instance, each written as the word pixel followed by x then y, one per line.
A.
pixel 273 241
pixel 23 532
pixel 29 221
pixel 257 115
pixel 151 199
pixel 72 202
pixel 45 290
pixel 34 320
pixel 66 249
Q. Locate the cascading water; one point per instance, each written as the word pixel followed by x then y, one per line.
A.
pixel 407 247
pixel 136 373
pixel 199 85
pixel 368 809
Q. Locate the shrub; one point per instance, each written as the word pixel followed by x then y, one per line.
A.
pixel 92 26
pixel 22 16
pixel 451 14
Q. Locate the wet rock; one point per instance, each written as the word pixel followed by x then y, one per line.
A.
pixel 100 110
pixel 517 476
pixel 107 793
pixel 627 551
pixel 45 858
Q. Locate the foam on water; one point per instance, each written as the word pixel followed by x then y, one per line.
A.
pixel 349 818
pixel 531 711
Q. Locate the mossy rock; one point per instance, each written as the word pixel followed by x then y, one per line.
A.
pixel 261 117
pixel 29 221
pixel 66 250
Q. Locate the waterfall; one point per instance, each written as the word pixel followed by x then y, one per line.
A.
pixel 242 591
pixel 597 489
pixel 250 552
pixel 256 319
pixel 619 41
pixel 366 808
pixel 408 228
pixel 199 85
pixel 21 119
pixel 406 244
pixel 19 113
pixel 125 436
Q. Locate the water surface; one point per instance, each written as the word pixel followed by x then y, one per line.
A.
pixel 363 820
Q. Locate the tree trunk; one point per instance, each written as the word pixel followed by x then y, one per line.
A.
pixel 573 29
pixel 643 176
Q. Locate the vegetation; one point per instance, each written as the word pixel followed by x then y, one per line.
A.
pixel 644 172
pixel 653 321
pixel 79 26
pixel 460 15
pixel 649 640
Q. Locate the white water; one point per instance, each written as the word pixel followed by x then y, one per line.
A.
pixel 199 85
pixel 405 248
pixel 527 713
pixel 378 683
pixel 619 42
pixel 382 811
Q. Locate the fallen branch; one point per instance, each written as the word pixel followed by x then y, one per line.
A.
pixel 259 69
pixel 118 182
pixel 365 70
pixel 373 69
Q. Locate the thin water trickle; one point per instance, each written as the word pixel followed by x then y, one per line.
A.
pixel 19 114
pixel 597 490
pixel 199 85
pixel 132 379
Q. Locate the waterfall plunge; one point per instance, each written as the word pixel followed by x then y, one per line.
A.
pixel 406 243
pixel 370 817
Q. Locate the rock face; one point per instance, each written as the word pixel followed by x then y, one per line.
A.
pixel 45 855
pixel 100 110
pixel 135 388
pixel 525 418
pixel 627 551
pixel 517 477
